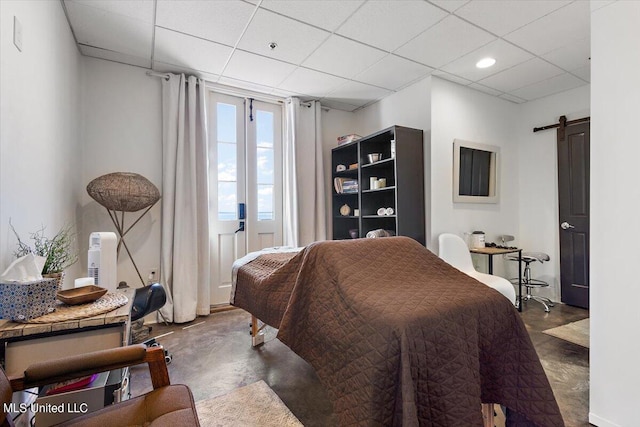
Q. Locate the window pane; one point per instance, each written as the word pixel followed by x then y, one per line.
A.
pixel 227 162
pixel 264 128
pixel 227 201
pixel 226 122
pixel 265 202
pixel 265 165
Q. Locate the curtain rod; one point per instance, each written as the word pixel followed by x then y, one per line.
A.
pixel 236 92
pixel 227 90
pixel 161 75
pixel 566 123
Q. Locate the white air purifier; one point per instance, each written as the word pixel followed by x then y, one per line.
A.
pixel 102 260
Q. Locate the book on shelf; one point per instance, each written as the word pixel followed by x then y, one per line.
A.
pixel 345 139
pixel 345 185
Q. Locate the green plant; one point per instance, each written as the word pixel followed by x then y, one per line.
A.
pixel 58 251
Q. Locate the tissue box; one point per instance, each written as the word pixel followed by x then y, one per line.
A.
pixel 21 302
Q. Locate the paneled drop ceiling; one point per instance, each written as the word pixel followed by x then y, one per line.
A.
pixel 348 54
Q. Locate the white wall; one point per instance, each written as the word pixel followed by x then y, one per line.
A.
pixel 615 202
pixel 335 123
pixel 410 107
pixel 538 175
pixel 446 111
pixel 121 131
pixel 458 112
pixel 40 151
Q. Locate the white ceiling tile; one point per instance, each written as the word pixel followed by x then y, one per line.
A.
pixel 356 93
pixel 311 82
pixel 450 5
pixel 106 30
pixel 521 75
pixel 257 69
pixel 356 70
pixel 547 87
pixel 505 54
pixel 243 84
pixel 295 40
pixel 395 22
pixel 597 4
pixel 138 9
pixel 327 14
pixel 343 57
pixel 220 21
pixel 393 72
pixel 337 105
pixel 190 52
pixel 583 72
pixel 512 98
pixel 449 39
pixel 571 55
pixel 502 17
pixel 484 89
pixel 110 55
pixel 284 93
pixel 451 77
pixel 565 25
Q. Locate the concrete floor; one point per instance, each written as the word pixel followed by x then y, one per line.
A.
pixel 213 356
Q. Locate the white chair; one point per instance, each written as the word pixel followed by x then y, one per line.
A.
pixel 453 250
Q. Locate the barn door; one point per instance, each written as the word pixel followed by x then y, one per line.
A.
pixel 573 194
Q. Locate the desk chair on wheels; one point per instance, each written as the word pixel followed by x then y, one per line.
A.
pixel 146 300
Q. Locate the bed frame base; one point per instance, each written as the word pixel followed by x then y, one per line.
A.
pixel 257 332
pixel 487 415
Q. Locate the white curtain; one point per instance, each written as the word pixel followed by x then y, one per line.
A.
pixel 184 263
pixel 303 174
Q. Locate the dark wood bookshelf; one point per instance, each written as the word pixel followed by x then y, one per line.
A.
pixel 404 189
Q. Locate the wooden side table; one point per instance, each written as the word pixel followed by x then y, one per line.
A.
pixel 22 344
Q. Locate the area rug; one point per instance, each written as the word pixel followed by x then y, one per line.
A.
pixel 252 405
pixel 575 332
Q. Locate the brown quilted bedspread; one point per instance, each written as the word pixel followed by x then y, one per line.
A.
pixel 264 285
pixel 399 337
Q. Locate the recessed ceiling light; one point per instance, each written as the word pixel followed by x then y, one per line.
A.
pixel 485 63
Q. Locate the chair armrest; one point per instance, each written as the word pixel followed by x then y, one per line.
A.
pixel 57 370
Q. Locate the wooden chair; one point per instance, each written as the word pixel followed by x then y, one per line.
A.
pixel 165 405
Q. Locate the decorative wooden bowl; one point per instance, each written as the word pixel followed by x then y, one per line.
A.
pixel 81 295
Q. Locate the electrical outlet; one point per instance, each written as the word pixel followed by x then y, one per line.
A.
pixel 17 33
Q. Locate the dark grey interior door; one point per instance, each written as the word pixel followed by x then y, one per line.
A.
pixel 573 194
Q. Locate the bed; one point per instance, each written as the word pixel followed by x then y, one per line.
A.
pixel 398 336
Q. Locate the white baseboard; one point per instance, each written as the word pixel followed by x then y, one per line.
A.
pixel 600 422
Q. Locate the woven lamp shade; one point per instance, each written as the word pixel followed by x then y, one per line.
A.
pixel 123 191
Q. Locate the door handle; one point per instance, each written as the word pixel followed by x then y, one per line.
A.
pixel 565 226
pixel 241 227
